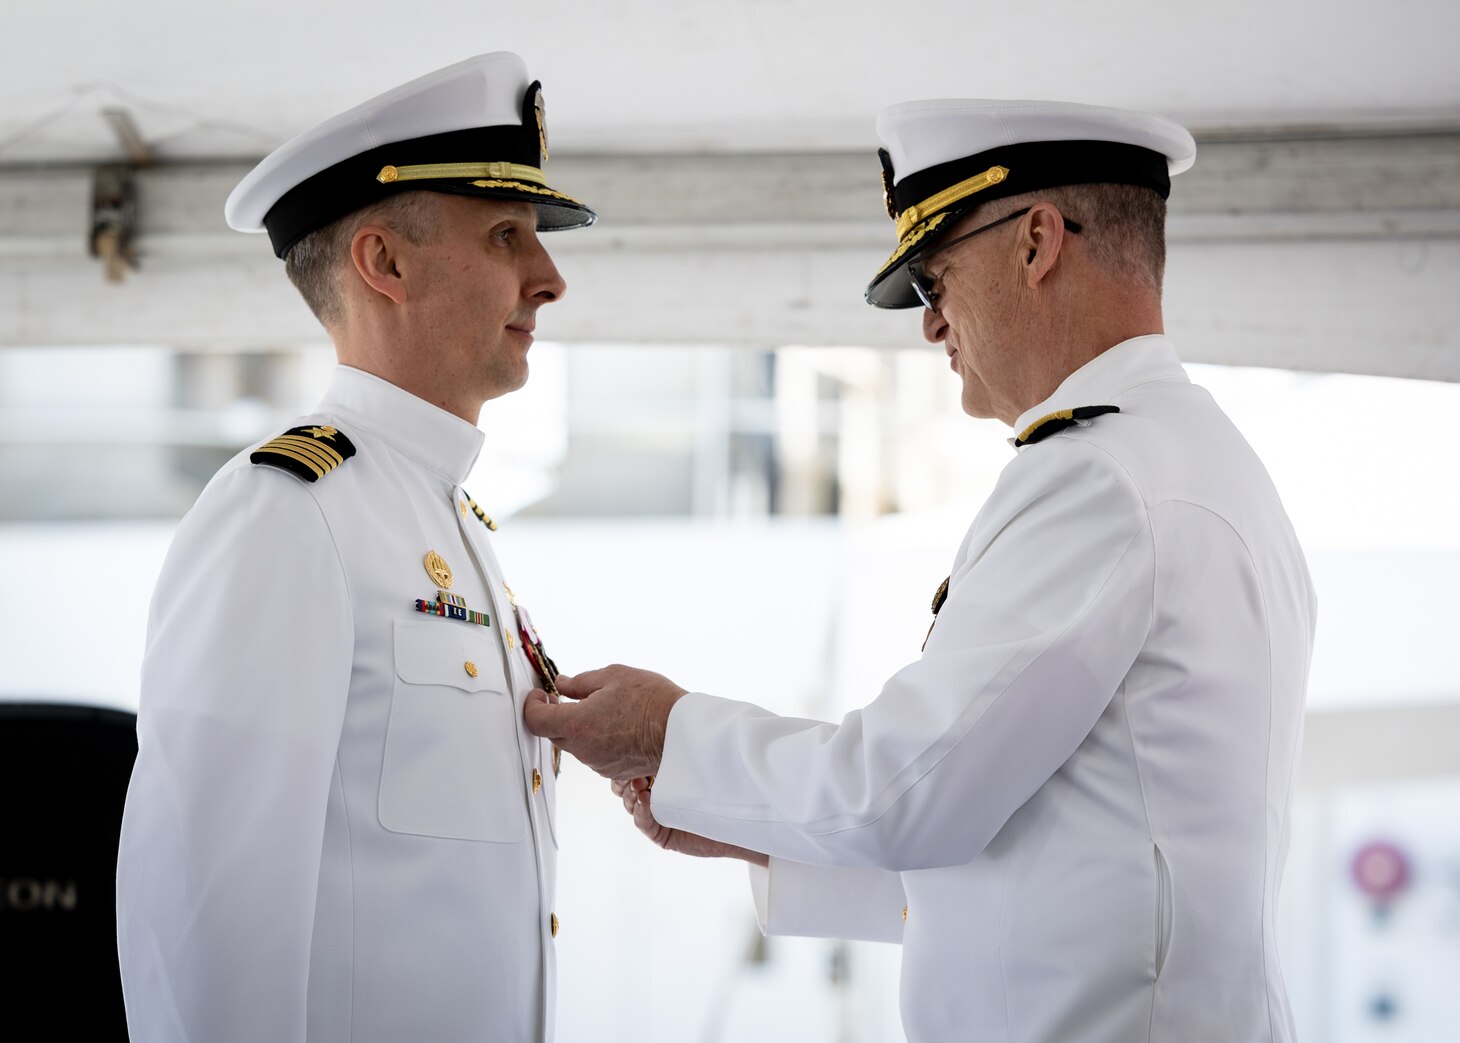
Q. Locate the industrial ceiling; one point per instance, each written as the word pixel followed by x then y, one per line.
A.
pixel 728 147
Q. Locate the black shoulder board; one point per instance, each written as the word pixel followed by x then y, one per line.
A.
pixel 1048 425
pixel 306 452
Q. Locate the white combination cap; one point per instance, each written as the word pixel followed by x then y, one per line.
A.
pixel 942 158
pixel 476 128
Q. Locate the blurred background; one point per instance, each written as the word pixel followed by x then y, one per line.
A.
pixel 725 466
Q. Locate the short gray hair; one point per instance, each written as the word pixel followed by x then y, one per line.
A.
pixel 314 263
pixel 1124 226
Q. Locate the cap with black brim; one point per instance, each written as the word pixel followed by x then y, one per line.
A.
pixel 485 136
pixel 944 158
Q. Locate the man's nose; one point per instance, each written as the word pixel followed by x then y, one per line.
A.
pixel 935 327
pixel 546 283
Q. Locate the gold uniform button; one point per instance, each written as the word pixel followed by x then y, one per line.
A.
pixel 511 644
pixel 536 780
pixel 904 914
pixel 555 924
pixel 471 668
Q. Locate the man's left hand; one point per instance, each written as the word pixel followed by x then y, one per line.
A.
pixel 614 719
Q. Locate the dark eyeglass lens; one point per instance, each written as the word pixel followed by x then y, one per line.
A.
pixel 922 284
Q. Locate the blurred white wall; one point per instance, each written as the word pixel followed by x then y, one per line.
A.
pixel 808 615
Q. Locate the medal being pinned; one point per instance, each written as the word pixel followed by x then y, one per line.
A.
pixel 532 645
pixel 546 669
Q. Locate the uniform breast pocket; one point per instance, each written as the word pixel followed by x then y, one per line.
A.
pixel 452 767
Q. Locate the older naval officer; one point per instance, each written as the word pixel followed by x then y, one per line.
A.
pixel 1072 809
pixel 337 828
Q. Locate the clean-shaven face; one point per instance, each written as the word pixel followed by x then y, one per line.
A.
pixel 970 282
pixel 486 274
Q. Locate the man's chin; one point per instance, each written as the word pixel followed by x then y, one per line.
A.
pixel 975 405
pixel 505 383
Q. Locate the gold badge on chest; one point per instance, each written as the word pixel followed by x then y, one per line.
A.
pixel 446 604
pixel 438 570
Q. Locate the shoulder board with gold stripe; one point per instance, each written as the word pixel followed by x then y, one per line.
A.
pixel 482 516
pixel 309 453
pixel 1058 421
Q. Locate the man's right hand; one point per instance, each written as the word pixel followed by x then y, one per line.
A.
pixel 636 794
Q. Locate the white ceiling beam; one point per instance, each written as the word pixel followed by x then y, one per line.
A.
pixel 1335 252
pixel 1303 187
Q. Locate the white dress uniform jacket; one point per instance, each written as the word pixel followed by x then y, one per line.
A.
pixel 1080 792
pixel 337 828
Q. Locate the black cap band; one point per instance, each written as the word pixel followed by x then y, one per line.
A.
pixel 353 183
pixel 1037 165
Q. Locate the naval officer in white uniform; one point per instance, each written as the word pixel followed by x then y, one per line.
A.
pixel 337 828
pixel 1072 809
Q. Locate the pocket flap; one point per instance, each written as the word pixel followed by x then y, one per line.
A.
pixel 445 652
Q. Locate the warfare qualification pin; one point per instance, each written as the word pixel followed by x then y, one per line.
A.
pixel 438 570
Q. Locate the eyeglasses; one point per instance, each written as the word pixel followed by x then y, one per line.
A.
pixel 923 282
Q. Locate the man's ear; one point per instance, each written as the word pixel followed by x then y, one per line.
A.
pixel 375 252
pixel 1041 241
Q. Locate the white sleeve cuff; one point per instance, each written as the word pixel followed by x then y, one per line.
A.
pixel 760 890
pixel 793 898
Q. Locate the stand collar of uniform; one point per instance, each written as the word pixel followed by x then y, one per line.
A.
pixel 1114 371
pixel 436 439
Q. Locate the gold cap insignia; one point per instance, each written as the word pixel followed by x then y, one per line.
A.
pixel 539 109
pixel 438 570
pixel 887 199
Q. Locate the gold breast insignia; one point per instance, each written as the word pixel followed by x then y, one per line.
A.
pixel 438 570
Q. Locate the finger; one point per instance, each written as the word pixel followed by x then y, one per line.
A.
pixel 544 719
pixel 645 821
pixel 580 686
pixel 570 688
